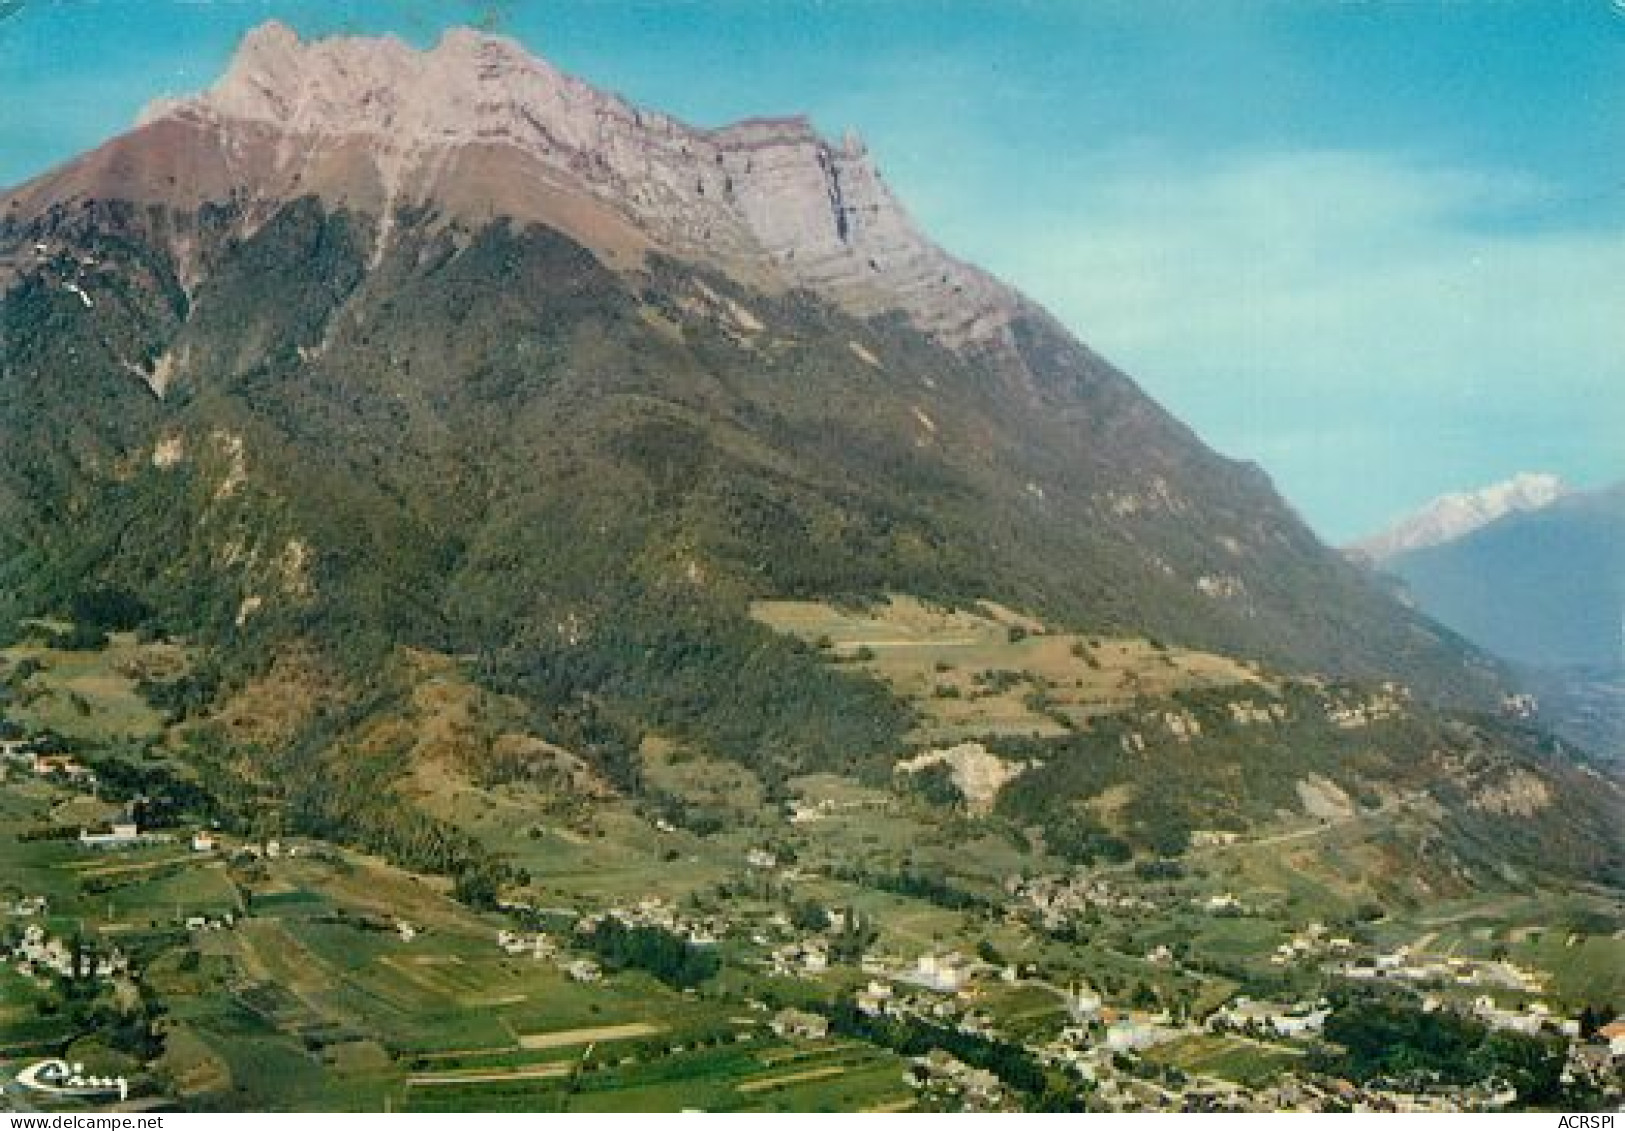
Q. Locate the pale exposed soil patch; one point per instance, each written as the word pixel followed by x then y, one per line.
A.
pixel 978 773
pixel 1324 799
pixel 1518 794
pixel 489 1076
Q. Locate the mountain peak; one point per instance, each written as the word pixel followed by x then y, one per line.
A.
pixel 477 127
pixel 360 85
pixel 1458 513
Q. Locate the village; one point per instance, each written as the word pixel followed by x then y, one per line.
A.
pixel 1136 1020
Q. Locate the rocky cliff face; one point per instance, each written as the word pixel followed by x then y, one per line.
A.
pixel 478 128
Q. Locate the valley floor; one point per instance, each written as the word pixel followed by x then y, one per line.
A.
pixel 303 975
pixel 832 945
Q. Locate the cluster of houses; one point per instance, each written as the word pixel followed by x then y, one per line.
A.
pixel 271 849
pixel 128 833
pixel 1094 1044
pixel 875 999
pixel 1389 702
pixel 1123 1082
pixel 1531 1018
pixel 948 998
pixel 124 833
pixel 883 999
pixel 38 953
pixel 1244 712
pixel 793 954
pixel 799 956
pixel 1298 1020
pixel 941 973
pixel 1520 706
pixel 938 988
pixel 948 974
pixel 1058 899
pixel 799 1024
pixel 28 906
pixel 942 1076
pixel 25 754
pixel 657 912
pixel 802 812
pixel 1182 726
pixel 536 944
pixel 1311 941
pixel 121 835
pixel 1404 964
pixel 1224 586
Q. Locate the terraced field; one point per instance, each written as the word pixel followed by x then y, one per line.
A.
pixel 765 1075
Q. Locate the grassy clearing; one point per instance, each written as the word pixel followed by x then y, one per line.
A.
pixel 991 671
pixel 175 895
pixel 1575 937
pixel 22 1027
pixel 1235 1059
pixel 1584 969
pixel 726 788
pixel 1028 1011
pixel 92 696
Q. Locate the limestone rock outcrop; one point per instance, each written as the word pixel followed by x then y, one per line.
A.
pixel 477 128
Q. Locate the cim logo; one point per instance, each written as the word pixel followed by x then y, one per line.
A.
pixel 69 1081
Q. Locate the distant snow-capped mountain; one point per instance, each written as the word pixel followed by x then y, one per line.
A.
pixel 1537 586
pixel 1451 516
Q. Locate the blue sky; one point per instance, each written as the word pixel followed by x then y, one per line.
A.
pixel 1379 248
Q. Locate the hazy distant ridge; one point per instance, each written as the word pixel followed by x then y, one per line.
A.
pixel 1543 585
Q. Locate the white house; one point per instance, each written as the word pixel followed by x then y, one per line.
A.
pixel 799 1023
pixel 584 970
pixel 124 834
pixel 1127 1035
pixel 1083 1003
pixel 945 974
